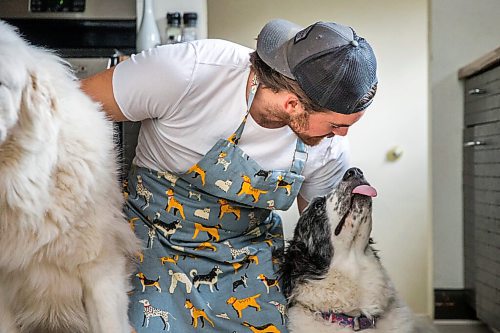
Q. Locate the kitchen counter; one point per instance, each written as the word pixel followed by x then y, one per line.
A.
pixel 479 65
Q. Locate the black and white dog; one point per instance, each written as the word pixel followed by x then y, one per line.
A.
pixel 332 276
pixel 209 279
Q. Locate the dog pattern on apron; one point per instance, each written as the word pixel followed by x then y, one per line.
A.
pixel 209 236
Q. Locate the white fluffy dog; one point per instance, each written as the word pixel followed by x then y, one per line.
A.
pixel 333 277
pixel 64 244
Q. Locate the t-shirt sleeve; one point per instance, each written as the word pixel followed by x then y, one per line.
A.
pixel 150 84
pixel 325 167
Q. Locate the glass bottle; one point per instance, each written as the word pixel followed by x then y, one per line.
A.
pixel 189 31
pixel 173 32
pixel 148 35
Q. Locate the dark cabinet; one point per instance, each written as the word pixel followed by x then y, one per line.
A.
pixel 481 192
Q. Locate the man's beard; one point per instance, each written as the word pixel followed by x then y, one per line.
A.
pixel 310 140
pixel 299 123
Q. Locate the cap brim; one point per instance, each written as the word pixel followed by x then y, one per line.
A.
pixel 272 44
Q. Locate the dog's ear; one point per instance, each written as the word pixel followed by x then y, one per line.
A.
pixel 313 230
pixel 310 252
pixel 38 107
pixel 42 92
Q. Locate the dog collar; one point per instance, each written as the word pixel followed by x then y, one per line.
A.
pixel 358 323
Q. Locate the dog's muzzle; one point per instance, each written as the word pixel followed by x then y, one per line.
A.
pixel 355 184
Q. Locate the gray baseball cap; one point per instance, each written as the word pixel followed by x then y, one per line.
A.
pixel 334 67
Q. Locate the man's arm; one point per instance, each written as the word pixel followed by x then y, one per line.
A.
pixel 100 88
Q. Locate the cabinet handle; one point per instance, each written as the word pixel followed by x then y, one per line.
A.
pixel 474 143
pixel 477 91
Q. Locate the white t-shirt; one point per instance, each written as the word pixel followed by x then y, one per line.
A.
pixel 189 95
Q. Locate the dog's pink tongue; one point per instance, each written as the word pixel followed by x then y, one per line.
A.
pixel 365 190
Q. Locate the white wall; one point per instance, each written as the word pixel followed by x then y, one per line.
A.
pixel 398 32
pixel 161 7
pixel 461 32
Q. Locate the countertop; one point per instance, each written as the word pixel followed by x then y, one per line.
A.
pixel 479 65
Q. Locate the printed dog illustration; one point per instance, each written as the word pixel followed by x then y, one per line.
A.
pixel 131 222
pixel 152 312
pixel 151 237
pixel 232 139
pixel 197 313
pixel 281 309
pixel 145 282
pixel 197 172
pixel 202 213
pixel 168 176
pixel 206 246
pixel 172 260
pixel 254 221
pixel 241 282
pixel 167 229
pixel 263 173
pixel 250 259
pixel 268 328
pixel 142 191
pixel 213 232
pixel 270 204
pixel 221 160
pixel 237 252
pixel 248 189
pixel 226 208
pixel 179 277
pixel 209 279
pixel 172 202
pixel 65 246
pixel 283 184
pixel 195 195
pixel 241 304
pixel 269 282
pixel 224 185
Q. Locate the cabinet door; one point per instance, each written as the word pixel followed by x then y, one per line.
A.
pixel 469 218
pixel 482 219
pixel 482 98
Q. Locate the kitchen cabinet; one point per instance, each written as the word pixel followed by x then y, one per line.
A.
pixel 481 186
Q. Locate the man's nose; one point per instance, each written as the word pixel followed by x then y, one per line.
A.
pixel 341 131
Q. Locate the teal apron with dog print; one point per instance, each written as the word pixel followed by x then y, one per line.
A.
pixel 209 236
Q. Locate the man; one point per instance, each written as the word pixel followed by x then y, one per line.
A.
pixel 226 139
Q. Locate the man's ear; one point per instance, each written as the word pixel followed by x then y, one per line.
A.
pixel 291 104
pixel 299 118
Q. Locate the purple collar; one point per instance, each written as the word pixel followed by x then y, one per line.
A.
pixel 356 323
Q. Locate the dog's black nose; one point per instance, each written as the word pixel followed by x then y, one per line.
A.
pixel 352 172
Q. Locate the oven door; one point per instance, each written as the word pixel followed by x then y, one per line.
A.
pixel 125 132
pixel 85 67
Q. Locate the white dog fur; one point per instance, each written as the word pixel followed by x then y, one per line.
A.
pixel 328 271
pixel 64 243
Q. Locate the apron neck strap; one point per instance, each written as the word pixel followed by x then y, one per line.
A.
pixel 299 157
pixel 253 90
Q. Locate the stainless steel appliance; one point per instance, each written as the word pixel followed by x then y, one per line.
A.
pixel 91 35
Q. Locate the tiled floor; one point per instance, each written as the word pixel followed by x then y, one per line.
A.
pixel 466 327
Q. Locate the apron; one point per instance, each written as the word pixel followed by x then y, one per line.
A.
pixel 209 235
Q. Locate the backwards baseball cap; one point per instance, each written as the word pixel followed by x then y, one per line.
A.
pixel 334 67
